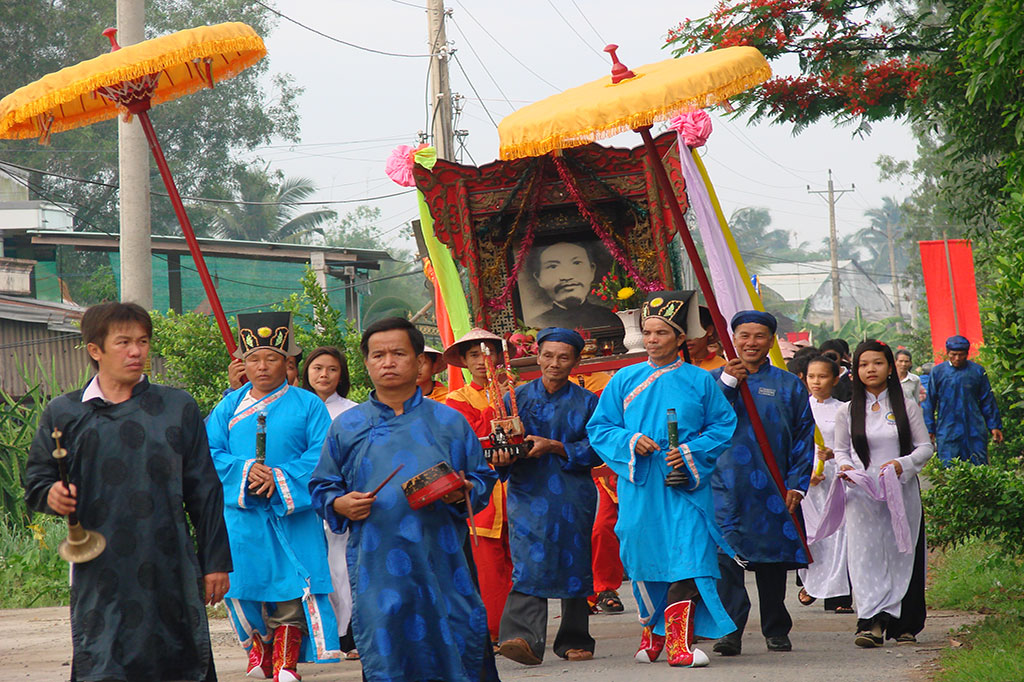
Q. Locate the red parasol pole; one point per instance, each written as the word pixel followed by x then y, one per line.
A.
pixel 716 314
pixel 141 109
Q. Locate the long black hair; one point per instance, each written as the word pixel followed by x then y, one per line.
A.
pixel 858 403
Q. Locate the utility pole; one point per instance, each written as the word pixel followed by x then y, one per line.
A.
pixel 440 86
pixel 133 174
pixel 833 196
pixel 892 274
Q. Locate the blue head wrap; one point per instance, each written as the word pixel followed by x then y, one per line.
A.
pixel 755 316
pixel 562 336
pixel 957 343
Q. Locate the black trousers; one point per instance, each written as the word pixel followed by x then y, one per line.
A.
pixel 771 595
pixel 526 616
pixel 912 609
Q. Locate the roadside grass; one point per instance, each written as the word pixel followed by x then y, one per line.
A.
pixel 31 572
pixel 974 576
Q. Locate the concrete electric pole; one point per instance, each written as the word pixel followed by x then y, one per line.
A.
pixel 833 196
pixel 440 87
pixel 133 173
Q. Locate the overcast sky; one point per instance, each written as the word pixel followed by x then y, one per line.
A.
pixel 359 105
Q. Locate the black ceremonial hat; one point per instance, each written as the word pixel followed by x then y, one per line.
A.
pixel 266 330
pixel 678 308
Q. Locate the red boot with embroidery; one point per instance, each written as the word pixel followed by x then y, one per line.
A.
pixel 287 645
pixel 679 636
pixel 650 646
pixel 261 663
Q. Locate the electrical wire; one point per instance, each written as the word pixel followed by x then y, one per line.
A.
pixel 484 66
pixel 506 50
pixel 409 4
pixel 475 93
pixel 578 35
pixel 211 200
pixel 586 19
pixel 337 40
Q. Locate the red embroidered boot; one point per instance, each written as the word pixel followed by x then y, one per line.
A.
pixel 679 636
pixel 650 646
pixel 261 663
pixel 287 644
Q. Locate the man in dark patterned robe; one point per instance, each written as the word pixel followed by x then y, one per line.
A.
pixel 138 462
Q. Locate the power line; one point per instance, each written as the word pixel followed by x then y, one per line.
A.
pixel 211 200
pixel 409 4
pixel 337 40
pixel 484 66
pixel 473 88
pixel 587 19
pixel 578 35
pixel 506 50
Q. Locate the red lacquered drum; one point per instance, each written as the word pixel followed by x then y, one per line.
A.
pixel 431 485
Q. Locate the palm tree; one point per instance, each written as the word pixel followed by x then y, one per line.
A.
pixel 887 226
pixel 267 209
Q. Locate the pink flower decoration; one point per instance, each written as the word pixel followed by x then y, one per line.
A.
pixel 399 165
pixel 694 127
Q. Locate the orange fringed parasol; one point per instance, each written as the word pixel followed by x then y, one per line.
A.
pixel 635 100
pixel 129 81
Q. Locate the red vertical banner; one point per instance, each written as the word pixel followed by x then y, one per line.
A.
pixel 948 267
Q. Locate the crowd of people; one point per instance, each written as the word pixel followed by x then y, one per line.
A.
pixel 380 531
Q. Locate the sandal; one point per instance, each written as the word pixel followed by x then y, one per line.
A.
pixel 578 655
pixel 906 638
pixel 805 598
pixel 866 639
pixel 352 655
pixel 609 602
pixel 844 609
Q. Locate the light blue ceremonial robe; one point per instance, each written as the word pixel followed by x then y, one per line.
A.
pixel 748 506
pixel 961 411
pixel 278 544
pixel 417 612
pixel 551 500
pixel 666 534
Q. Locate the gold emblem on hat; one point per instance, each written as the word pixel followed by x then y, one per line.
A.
pixel 264 332
pixel 655 302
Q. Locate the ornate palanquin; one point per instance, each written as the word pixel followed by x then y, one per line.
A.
pixel 482 214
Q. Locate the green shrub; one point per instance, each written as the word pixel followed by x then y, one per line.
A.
pixel 31 571
pixel 983 502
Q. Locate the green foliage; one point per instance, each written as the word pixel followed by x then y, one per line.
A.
pixel 31 571
pixel 857 329
pixel 992 652
pixel 317 323
pixel 979 502
pixel 194 355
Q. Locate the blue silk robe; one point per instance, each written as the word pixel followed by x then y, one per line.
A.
pixel 552 501
pixel 748 506
pixel 666 534
pixel 417 613
pixel 966 412
pixel 278 544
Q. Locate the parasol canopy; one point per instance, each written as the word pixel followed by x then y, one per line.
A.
pixel 181 63
pixel 602 109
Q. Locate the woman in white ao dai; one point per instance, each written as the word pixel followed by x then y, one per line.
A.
pixel 888 585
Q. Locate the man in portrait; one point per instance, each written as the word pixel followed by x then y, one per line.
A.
pixel 565 272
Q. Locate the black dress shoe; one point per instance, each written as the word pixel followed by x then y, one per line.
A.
pixel 781 643
pixel 730 645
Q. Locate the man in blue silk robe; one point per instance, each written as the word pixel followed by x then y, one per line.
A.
pixel 551 506
pixel 279 598
pixel 417 611
pixel 748 505
pixel 668 533
pixel 960 410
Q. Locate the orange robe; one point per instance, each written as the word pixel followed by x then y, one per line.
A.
pixel 492 556
pixel 440 392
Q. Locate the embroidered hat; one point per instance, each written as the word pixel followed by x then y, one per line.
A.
pixel 958 343
pixel 678 309
pixel 453 353
pixel 266 330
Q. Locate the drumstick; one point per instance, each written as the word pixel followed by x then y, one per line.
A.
pixel 385 481
pixel 469 509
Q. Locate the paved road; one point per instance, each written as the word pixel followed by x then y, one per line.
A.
pixel 35 646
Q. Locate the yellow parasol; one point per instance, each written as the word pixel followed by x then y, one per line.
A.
pixel 635 99
pixel 607 107
pixel 129 81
